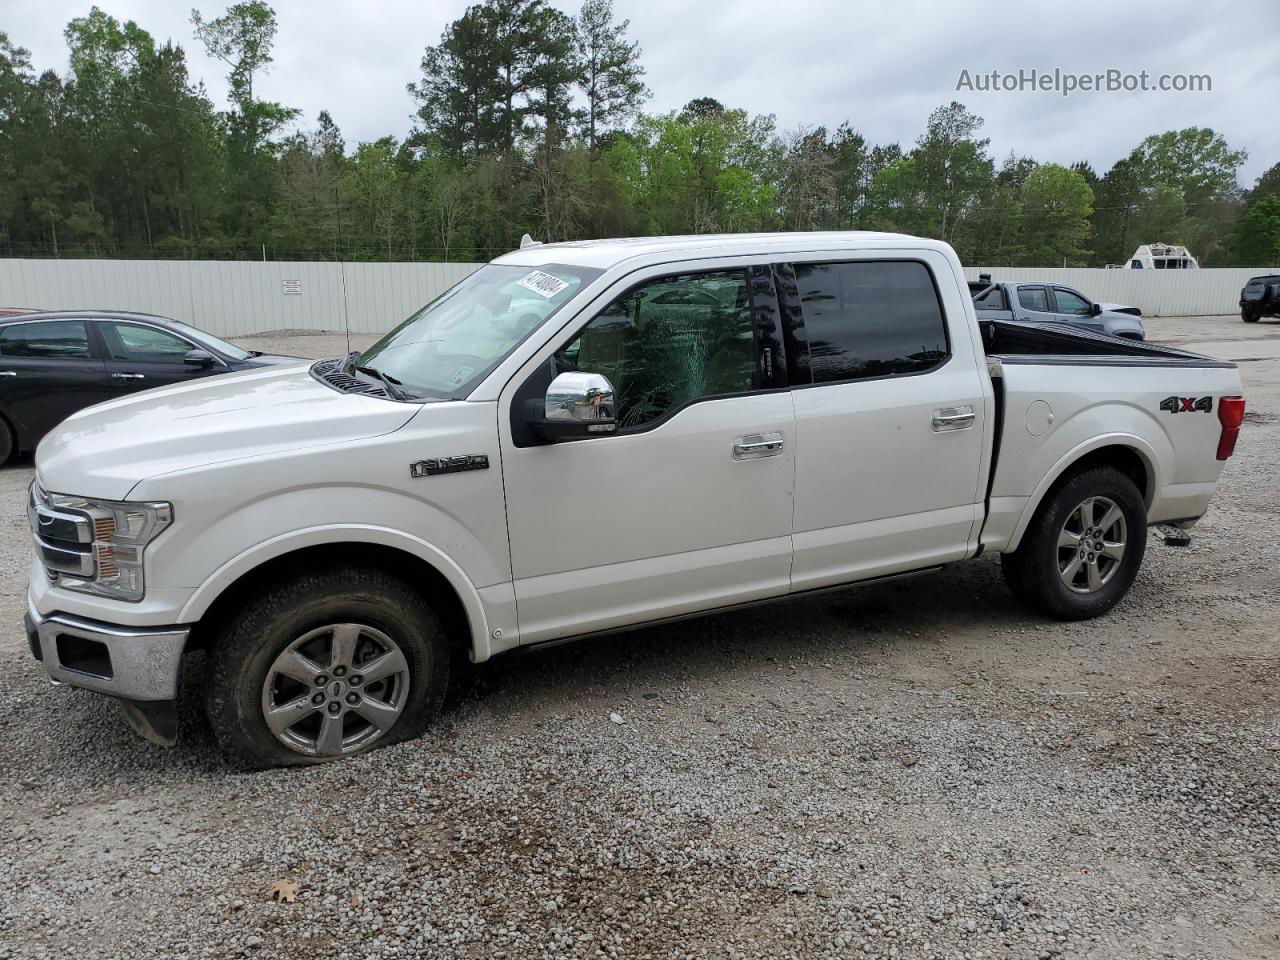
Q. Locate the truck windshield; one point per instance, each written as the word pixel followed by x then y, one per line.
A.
pixel 445 349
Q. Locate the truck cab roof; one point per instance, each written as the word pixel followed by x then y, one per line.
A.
pixel 603 254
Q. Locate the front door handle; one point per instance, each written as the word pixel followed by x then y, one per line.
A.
pixel 756 445
pixel 953 418
pixel 8 373
pixel 128 376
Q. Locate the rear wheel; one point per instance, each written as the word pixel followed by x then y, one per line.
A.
pixel 1083 548
pixel 1248 317
pixel 326 666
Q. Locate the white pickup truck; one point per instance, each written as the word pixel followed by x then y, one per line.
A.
pixel 582 437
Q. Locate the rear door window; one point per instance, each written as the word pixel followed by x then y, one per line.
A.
pixel 871 318
pixel 49 339
pixel 1034 298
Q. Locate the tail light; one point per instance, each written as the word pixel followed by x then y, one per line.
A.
pixel 1230 415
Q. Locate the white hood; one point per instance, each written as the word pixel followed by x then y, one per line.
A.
pixel 106 450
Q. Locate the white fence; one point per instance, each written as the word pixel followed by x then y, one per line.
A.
pixel 246 297
pixel 234 298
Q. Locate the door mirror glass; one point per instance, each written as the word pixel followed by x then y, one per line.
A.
pixel 578 404
pixel 198 358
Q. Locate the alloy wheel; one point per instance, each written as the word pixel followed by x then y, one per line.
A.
pixel 335 689
pixel 1091 544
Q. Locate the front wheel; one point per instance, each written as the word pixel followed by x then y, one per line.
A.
pixel 324 666
pixel 1083 548
pixel 1248 317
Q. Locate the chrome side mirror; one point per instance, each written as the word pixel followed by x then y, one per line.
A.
pixel 577 405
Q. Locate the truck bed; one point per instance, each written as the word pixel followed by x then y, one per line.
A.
pixel 1062 392
pixel 1061 343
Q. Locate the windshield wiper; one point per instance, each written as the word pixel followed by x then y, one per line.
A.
pixel 388 381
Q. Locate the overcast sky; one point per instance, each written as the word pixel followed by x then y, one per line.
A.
pixel 882 65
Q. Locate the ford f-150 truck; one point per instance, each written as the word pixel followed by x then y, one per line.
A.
pixel 582 437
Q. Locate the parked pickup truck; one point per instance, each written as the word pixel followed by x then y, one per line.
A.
pixel 1053 303
pixel 582 437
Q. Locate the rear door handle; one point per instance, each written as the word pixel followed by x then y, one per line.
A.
pixel 756 445
pixel 8 373
pixel 128 376
pixel 949 419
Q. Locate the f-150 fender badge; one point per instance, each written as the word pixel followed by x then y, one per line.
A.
pixel 438 465
pixel 1187 405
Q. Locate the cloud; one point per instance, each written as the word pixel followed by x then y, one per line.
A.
pixel 883 65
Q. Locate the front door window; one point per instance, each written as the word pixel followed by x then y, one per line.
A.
pixel 668 343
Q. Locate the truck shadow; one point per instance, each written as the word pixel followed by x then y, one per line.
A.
pixel 853 622
pixel 908 615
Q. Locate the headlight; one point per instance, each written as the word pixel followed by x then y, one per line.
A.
pixel 96 546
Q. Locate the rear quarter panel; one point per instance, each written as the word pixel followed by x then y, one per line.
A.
pixel 1056 413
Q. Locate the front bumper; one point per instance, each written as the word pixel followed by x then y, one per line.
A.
pixel 131 663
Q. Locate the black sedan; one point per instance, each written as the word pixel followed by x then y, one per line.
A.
pixel 53 364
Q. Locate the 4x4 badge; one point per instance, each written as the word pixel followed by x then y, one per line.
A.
pixel 1187 405
pixel 430 468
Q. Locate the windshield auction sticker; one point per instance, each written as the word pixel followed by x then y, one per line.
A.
pixel 543 284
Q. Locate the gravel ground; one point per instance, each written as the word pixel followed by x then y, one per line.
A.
pixel 916 769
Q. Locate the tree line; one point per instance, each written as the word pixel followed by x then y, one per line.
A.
pixel 531 121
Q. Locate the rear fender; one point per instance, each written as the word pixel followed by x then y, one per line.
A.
pixel 1073 456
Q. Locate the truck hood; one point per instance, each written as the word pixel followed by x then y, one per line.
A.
pixel 104 451
pixel 1120 308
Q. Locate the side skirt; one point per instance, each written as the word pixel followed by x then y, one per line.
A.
pixel 711 611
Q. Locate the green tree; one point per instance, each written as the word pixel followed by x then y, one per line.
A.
pixel 1266 185
pixel 611 77
pixel 242 38
pixel 951 167
pixel 1197 162
pixel 498 64
pixel 701 171
pixel 314 198
pixel 994 230
pixel 1258 232
pixel 848 153
pixel 1056 203
pixel 808 190
pixel 378 190
pixel 1119 195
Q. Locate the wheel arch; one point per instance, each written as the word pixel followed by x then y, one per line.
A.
pixel 16 439
pixel 1129 454
pixel 426 569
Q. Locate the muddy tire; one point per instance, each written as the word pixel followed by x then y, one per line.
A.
pixel 1083 548
pixel 326 665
